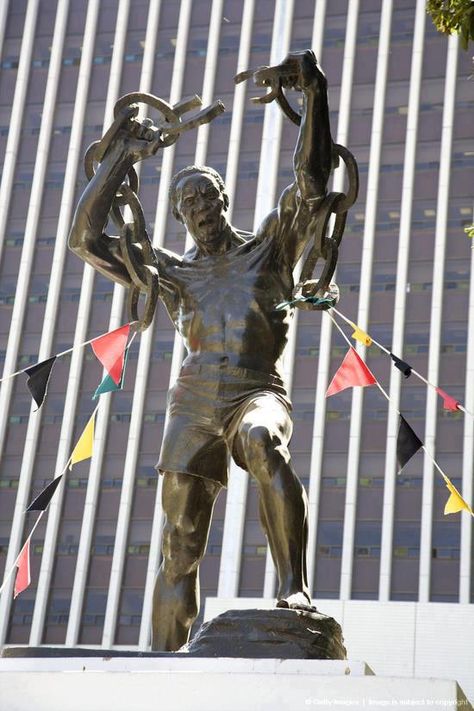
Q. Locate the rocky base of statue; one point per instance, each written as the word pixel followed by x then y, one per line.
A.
pixel 274 634
pixel 249 634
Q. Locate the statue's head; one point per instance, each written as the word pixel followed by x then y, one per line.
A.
pixel 199 200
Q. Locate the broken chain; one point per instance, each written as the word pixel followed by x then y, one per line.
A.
pixel 135 245
pixel 324 246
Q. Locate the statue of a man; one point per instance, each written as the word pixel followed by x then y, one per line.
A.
pixel 229 399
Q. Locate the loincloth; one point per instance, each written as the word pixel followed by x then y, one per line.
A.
pixel 205 408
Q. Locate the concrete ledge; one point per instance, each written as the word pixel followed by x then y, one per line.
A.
pixel 184 664
pixel 199 684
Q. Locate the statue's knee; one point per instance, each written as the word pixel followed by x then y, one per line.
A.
pixel 262 449
pixel 181 554
pixel 258 440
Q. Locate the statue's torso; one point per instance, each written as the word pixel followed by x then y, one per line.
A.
pixel 224 305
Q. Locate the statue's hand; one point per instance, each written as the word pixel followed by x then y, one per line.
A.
pixel 140 139
pixel 306 73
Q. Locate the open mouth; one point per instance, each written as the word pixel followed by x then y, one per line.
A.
pixel 205 221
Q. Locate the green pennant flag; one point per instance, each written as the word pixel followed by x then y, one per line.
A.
pixel 108 385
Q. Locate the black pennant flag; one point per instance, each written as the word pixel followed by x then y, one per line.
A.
pixel 44 497
pixel 405 368
pixel 38 379
pixel 408 443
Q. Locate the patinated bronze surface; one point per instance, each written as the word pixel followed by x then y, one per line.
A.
pixel 229 399
pixel 271 634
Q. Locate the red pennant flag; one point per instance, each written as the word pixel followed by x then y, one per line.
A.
pixel 23 577
pixel 352 371
pixel 110 350
pixel 449 402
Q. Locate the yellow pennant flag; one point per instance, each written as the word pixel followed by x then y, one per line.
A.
pixel 361 336
pixel 85 444
pixel 455 502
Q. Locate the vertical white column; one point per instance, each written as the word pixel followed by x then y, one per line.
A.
pixel 400 300
pixel 3 23
pixel 11 150
pixel 92 493
pixel 468 457
pixel 326 323
pixel 231 552
pixel 118 560
pixel 350 505
pixel 21 296
pixel 209 81
pixel 317 39
pixel 6 185
pixel 432 400
pixel 238 104
pixel 80 335
pixel 64 220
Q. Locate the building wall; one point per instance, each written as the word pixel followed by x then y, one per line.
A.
pixel 400 100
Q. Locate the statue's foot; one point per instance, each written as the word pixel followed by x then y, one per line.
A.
pixel 296 601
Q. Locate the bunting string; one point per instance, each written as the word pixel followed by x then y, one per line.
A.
pixel 42 512
pixel 455 502
pixel 359 334
pixel 7 575
pixel 67 351
pixel 112 354
pixel 112 348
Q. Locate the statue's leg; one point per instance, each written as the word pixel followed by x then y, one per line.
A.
pixel 262 443
pixel 188 502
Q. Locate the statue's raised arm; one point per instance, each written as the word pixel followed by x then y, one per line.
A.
pixel 305 208
pixel 291 221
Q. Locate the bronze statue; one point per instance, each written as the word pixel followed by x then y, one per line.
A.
pixel 229 399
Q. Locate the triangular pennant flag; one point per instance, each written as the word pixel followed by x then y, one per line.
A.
pixel 361 336
pixel 405 368
pixel 455 502
pixel 408 443
pixel 110 350
pixel 449 403
pixel 44 497
pixel 84 447
pixel 107 385
pixel 23 576
pixel 38 379
pixel 352 371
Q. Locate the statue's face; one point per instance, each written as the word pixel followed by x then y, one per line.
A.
pixel 202 206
